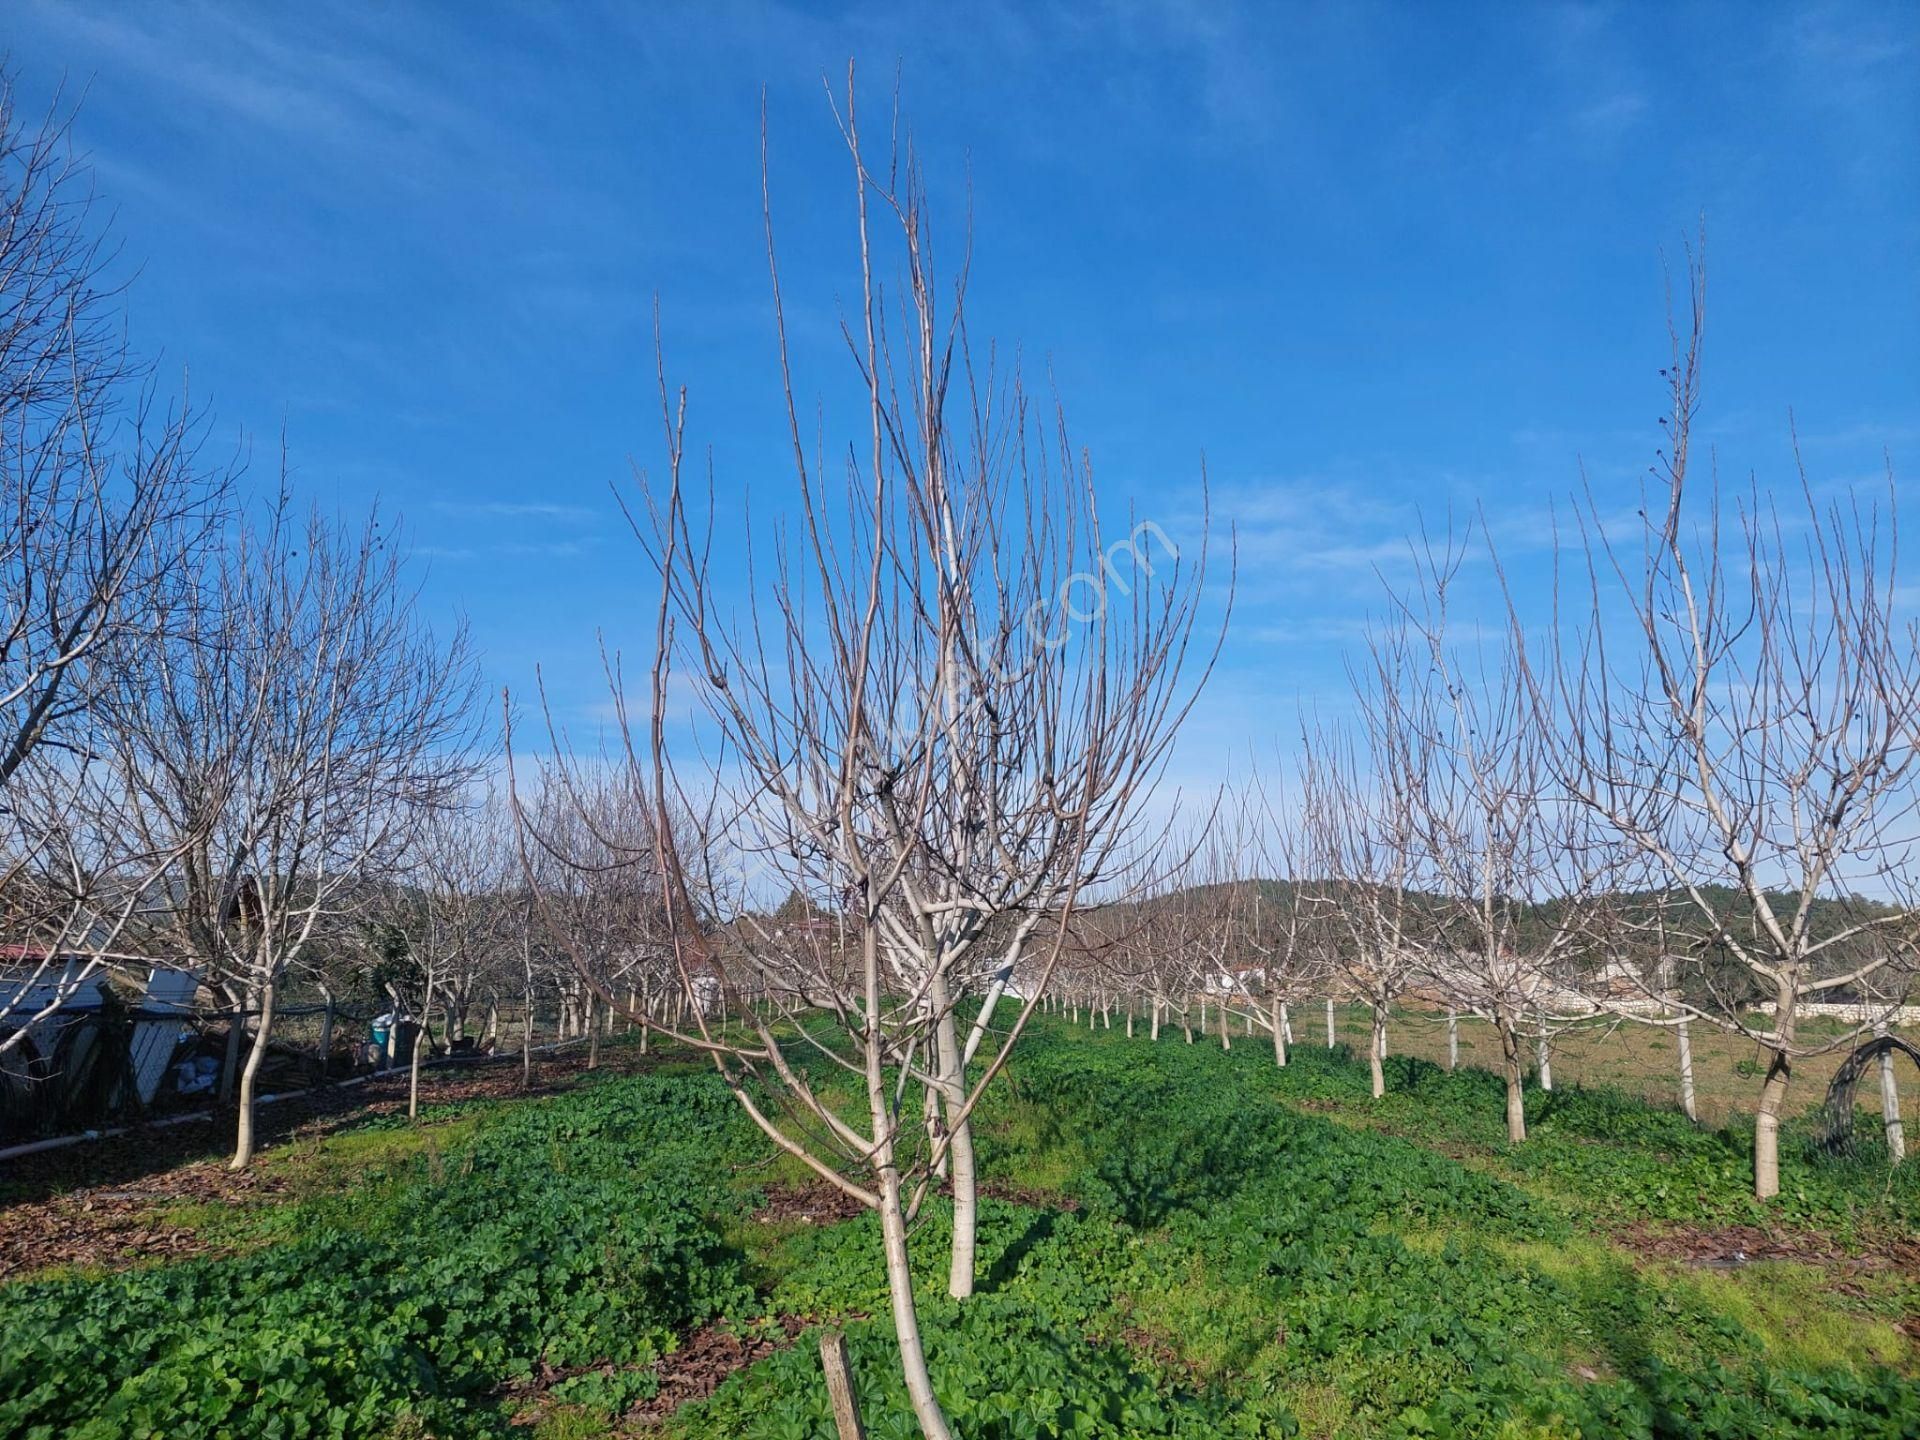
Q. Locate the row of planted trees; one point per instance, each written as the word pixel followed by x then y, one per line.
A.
pixel 938 722
pixel 1686 795
pixel 863 820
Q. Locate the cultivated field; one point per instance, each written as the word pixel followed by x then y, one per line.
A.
pixel 1176 1241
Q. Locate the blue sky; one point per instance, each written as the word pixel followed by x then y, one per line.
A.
pixel 1372 262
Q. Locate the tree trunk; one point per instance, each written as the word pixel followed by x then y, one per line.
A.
pixel 1890 1105
pixel 1377 1051
pixel 1544 1055
pixel 1226 1027
pixel 326 1035
pixel 893 1223
pixel 966 1201
pixel 1685 1041
pixel 1513 1067
pixel 1279 1033
pixel 526 1043
pixel 906 1319
pixel 230 1066
pixel 1153 1027
pixel 593 1036
pixel 1766 1127
pixel 1453 1040
pixel 413 1065
pixel 243 1139
pixel 1330 1039
pixel 1286 1022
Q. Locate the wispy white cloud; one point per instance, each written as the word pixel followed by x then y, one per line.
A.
pixel 513 510
pixel 1612 116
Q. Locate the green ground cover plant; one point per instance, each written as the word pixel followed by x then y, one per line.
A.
pixel 1194 1244
pixel 565 1234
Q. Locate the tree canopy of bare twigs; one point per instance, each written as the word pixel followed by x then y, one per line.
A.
pixel 294 730
pixel 937 721
pixel 1748 731
pixel 103 498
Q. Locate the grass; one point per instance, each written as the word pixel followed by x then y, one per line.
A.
pixel 1638 1059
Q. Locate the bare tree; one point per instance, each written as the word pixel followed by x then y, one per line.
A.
pixel 1293 960
pixel 436 920
pixel 1360 835
pixel 1508 872
pixel 593 870
pixel 102 500
pixel 290 735
pixel 942 718
pixel 1749 729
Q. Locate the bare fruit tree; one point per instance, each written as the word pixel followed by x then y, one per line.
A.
pixel 1511 875
pixel 102 499
pixel 592 868
pixel 1361 846
pixel 1740 702
pixel 938 719
pixel 291 735
pixel 1289 947
pixel 436 920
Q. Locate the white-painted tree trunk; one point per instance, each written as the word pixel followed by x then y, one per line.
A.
pixel 962 1171
pixel 1330 1036
pixel 1543 1056
pixel 1377 1052
pixel 1279 1033
pixel 1453 1040
pixel 1890 1105
pixel 1766 1127
pixel 1684 1038
pixel 906 1319
pixel 1513 1071
pixel 413 1066
pixel 249 1078
pixel 526 1043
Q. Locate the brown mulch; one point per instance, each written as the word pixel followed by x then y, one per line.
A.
pixel 107 1236
pixel 1727 1247
pixel 101 1204
pixel 704 1359
pixel 1030 1195
pixel 693 1371
pixel 814 1203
